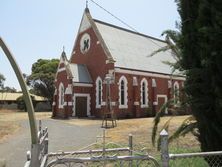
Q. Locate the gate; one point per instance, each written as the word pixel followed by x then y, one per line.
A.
pixel 103 157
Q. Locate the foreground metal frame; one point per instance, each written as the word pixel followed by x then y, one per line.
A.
pixel 32 121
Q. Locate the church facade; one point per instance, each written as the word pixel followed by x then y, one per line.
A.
pixel 139 83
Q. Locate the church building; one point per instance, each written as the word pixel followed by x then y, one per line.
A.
pixel 107 56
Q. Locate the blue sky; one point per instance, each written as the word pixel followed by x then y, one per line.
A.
pixel 35 29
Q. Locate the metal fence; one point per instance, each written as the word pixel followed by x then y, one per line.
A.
pixel 106 157
pixel 121 156
pixel 105 161
pixel 198 159
pixel 42 148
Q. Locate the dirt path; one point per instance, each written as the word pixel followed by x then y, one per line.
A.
pixel 73 134
pixel 62 136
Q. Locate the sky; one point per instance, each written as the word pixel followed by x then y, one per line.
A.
pixel 38 29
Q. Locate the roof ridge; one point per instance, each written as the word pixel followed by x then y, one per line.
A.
pixel 127 30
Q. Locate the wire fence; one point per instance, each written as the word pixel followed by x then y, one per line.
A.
pixel 186 157
pixel 202 159
pixel 102 154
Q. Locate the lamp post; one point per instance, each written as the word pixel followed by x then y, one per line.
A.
pixel 32 121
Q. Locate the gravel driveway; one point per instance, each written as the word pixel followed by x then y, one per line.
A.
pixel 62 137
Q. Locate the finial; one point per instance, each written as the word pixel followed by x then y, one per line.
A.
pixel 63 51
pixel 86 3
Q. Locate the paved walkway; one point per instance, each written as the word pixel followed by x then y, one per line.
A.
pixel 62 137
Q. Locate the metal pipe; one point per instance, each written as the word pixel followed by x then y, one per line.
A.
pixel 27 98
pixel 101 159
pixel 200 154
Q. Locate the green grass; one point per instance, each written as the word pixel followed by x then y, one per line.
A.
pixel 186 162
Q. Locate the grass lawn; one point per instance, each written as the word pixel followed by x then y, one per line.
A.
pixel 9 121
pixel 141 129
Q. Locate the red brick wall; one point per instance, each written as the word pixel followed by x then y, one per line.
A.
pixel 95 60
pixel 62 78
pixel 137 111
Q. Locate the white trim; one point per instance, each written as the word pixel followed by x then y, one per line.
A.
pixel 136 103
pixel 97 92
pixel 169 84
pixel 149 74
pixel 153 83
pixel 88 102
pixel 85 24
pixel 55 92
pixel 61 95
pixel 68 90
pixel 165 97
pixel 176 92
pixel 70 103
pixel 135 81
pixel 103 103
pixel 61 69
pixel 146 93
pixel 53 103
pixel 155 103
pixel 125 105
pixel 82 84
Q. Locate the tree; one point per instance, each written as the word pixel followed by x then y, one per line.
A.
pixel 42 77
pixel 9 89
pixel 2 79
pixel 21 103
pixel 201 59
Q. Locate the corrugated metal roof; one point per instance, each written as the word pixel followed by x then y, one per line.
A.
pixel 6 96
pixel 80 73
pixel 131 50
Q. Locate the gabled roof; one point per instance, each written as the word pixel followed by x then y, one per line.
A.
pixel 80 73
pixel 126 48
pixel 8 96
pixel 131 50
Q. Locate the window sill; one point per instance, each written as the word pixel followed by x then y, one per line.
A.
pixel 123 106
pixel 61 107
pixel 98 106
pixel 144 106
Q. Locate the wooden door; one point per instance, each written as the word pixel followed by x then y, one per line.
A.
pixel 81 106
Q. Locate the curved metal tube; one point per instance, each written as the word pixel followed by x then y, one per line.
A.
pixel 28 101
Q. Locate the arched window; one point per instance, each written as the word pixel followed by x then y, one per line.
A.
pixel 176 93
pixel 61 95
pixel 144 93
pixel 99 88
pixel 122 95
pixel 123 92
